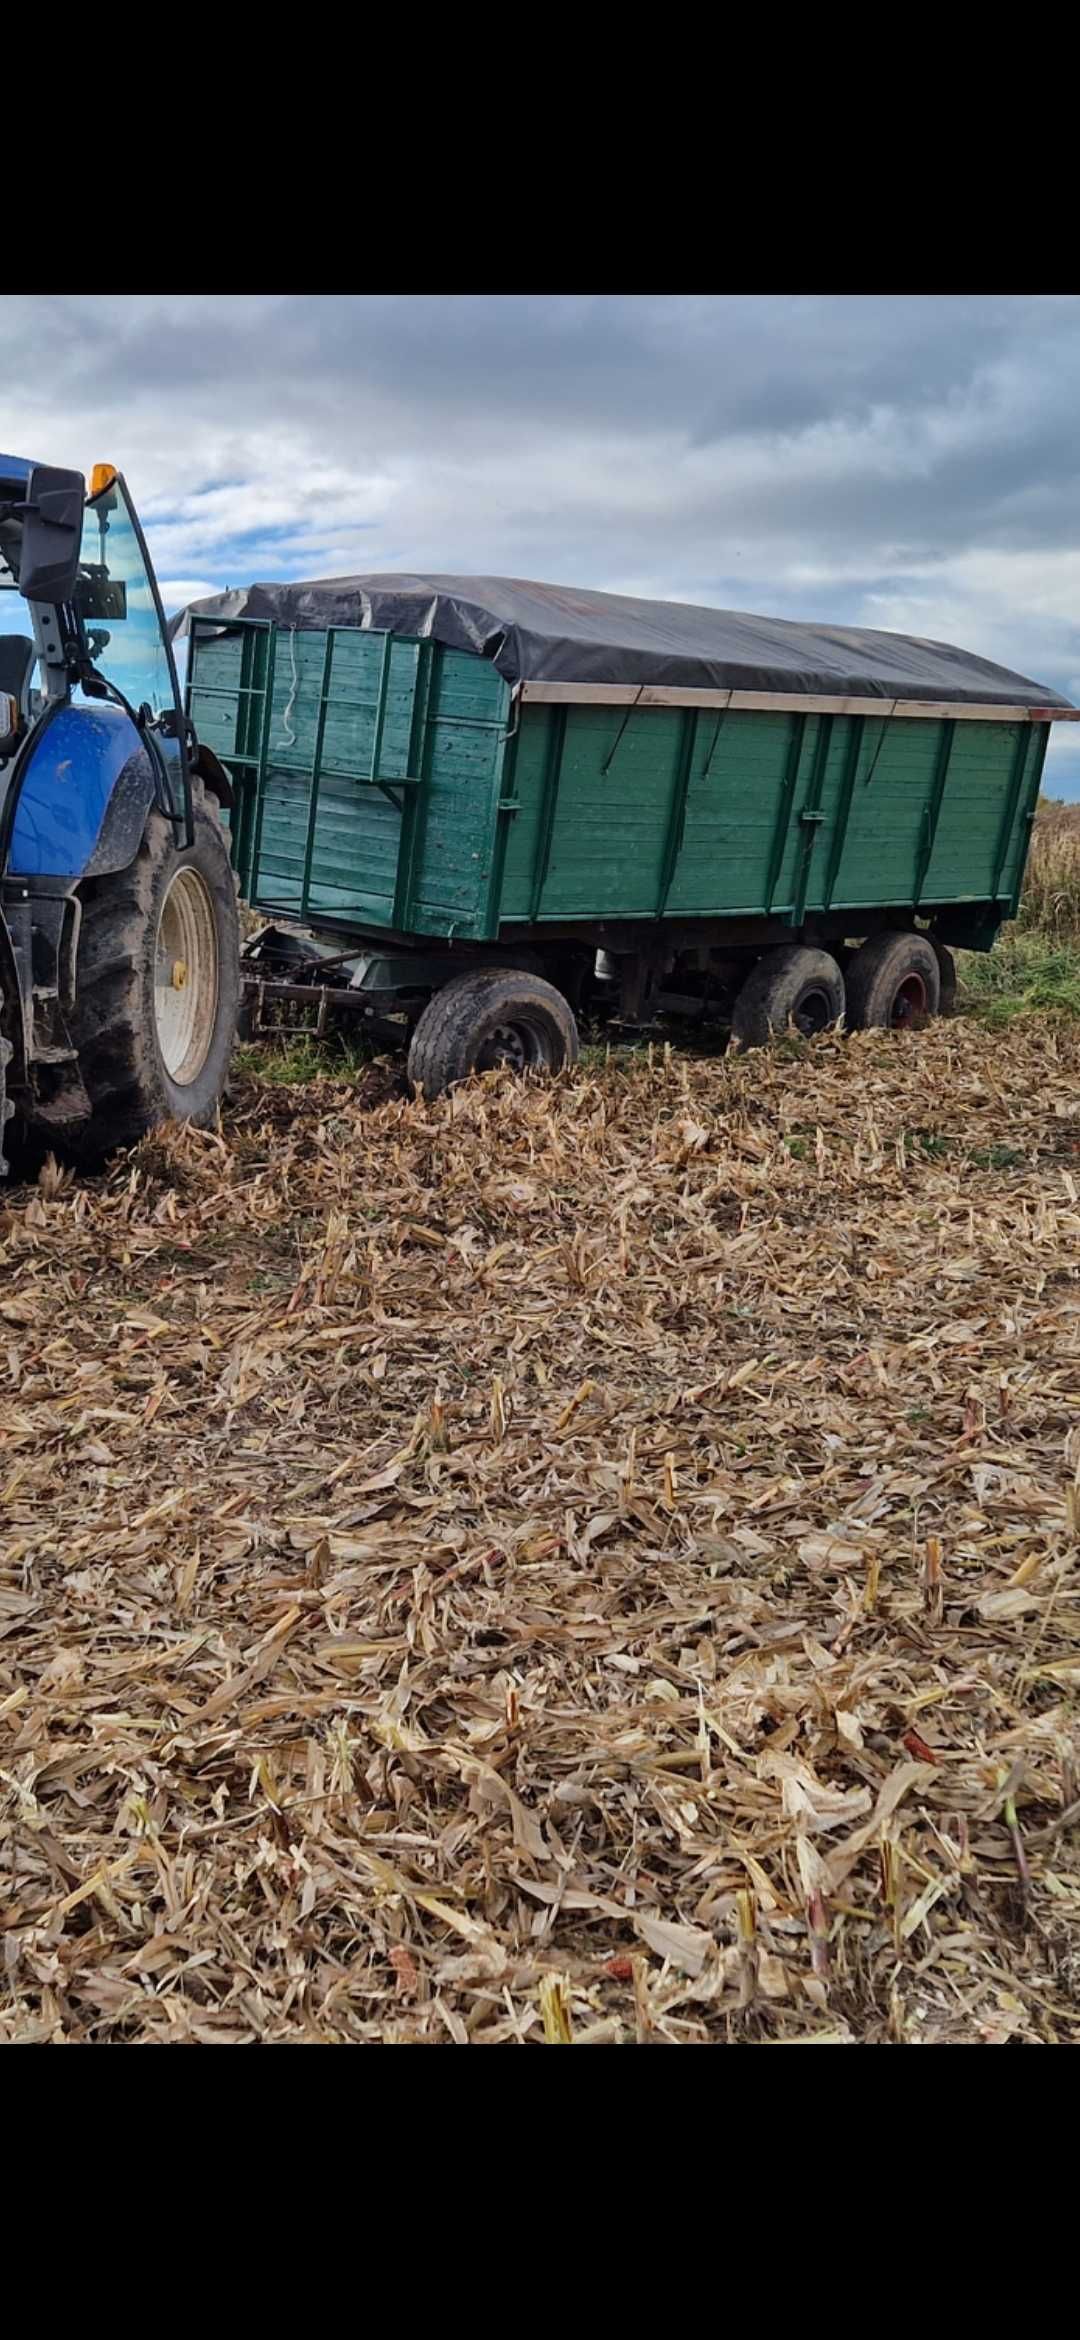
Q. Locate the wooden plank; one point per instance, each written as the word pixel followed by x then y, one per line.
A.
pixel 810 816
pixel 933 811
pixel 677 815
pixel 847 789
pixel 783 812
pixel 1008 818
pixel 552 776
pixel 562 694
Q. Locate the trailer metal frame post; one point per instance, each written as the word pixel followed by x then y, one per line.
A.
pixel 811 815
pixel 316 755
pixel 254 649
pixel 843 810
pixel 783 809
pixel 256 646
pixel 505 805
pixel 1029 813
pixel 380 708
pixel 263 754
pixel 932 814
pixel 1008 818
pixel 676 828
pixel 421 740
pixel 549 803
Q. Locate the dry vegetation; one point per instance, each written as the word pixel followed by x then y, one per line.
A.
pixel 1051 900
pixel 583 1564
pixel 1035 966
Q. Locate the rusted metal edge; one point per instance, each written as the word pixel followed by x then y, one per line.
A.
pixel 568 694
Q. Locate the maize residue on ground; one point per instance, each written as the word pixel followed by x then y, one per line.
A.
pixel 592 1563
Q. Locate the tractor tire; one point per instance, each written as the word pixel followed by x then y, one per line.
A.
pixel 157 985
pixel 487 1017
pixel 6 1106
pixel 792 985
pixel 893 983
pixel 947 973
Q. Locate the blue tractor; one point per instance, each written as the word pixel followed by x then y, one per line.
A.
pixel 119 928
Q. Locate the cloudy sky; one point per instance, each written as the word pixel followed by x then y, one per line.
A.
pixel 900 462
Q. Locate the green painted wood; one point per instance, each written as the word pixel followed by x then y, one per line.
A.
pixel 1013 801
pixel 418 762
pixel 855 742
pixel 812 815
pixel 395 775
pixel 314 774
pixel 933 809
pixel 378 774
pixel 961 865
pixel 781 837
pixel 1017 853
pixel 556 731
pixel 676 829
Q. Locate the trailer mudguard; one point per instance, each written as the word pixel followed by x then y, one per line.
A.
pixel 83 789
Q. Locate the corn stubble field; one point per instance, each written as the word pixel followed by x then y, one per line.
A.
pixel 580 1564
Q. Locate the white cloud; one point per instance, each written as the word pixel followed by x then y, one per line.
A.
pixel 176 592
pixel 907 463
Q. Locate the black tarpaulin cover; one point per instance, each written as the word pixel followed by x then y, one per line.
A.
pixel 561 633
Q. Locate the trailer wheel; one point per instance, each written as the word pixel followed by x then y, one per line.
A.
pixel 487 1017
pixel 792 985
pixel 947 974
pixel 893 983
pixel 157 985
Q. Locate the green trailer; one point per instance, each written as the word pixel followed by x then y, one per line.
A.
pixel 457 839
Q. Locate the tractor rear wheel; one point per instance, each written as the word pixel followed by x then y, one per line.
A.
pixel 6 1107
pixel 157 984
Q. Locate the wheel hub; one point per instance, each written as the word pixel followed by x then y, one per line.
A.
pixel 812 1014
pixel 506 1044
pixel 185 976
pixel 909 1002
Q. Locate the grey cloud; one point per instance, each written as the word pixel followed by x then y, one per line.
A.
pixel 826 456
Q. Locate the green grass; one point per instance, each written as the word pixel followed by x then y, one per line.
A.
pixel 286 1063
pixel 1027 973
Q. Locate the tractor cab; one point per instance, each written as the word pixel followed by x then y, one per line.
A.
pixel 80 613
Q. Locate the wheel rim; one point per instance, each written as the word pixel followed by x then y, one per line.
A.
pixel 518 1045
pixel 185 977
pixel 813 1013
pixel 909 1001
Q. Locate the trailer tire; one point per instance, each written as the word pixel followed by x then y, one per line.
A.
pixel 947 973
pixel 489 1016
pixel 792 985
pixel 893 983
pixel 143 1057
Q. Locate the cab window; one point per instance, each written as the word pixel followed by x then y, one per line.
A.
pixel 118 606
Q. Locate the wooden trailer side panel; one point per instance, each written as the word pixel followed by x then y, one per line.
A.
pixel 372 764
pixel 654 812
pixel 388 783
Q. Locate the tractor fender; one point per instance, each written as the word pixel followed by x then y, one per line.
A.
pixel 135 792
pixel 82 790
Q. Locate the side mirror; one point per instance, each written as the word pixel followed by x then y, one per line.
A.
pixel 52 519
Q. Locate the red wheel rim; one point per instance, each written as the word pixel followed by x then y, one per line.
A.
pixel 909 1001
